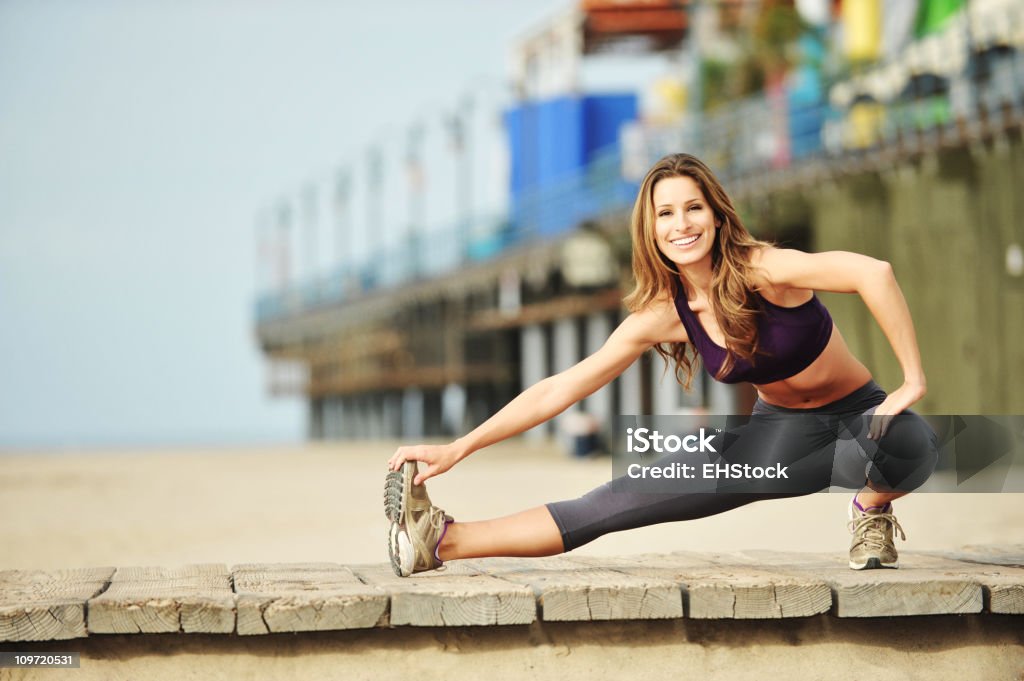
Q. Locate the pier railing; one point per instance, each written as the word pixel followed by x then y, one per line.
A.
pixel 952 88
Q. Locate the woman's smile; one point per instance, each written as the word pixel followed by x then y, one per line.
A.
pixel 686 242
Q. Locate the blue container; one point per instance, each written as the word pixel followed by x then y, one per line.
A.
pixel 603 116
pixel 551 143
pixel 560 137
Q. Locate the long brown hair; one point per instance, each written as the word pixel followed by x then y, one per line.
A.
pixel 731 297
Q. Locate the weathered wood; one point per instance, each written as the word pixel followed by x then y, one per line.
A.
pixel 716 589
pixel 1010 555
pixel 311 597
pixel 570 589
pixel 271 598
pixel 282 567
pixel 999 572
pixel 202 573
pixel 913 589
pixel 537 313
pixel 41 605
pixel 455 596
pixel 189 599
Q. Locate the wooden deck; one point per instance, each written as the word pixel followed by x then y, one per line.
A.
pixel 251 599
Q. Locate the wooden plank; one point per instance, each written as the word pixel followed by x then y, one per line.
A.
pixel 200 573
pixel 282 567
pixel 189 599
pixel 370 377
pixel 716 589
pixel 914 589
pixel 277 598
pixel 47 605
pixel 999 571
pixel 455 596
pixel 537 313
pixel 1011 555
pixel 571 589
pixel 270 598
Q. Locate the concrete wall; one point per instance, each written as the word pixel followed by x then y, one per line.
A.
pixel 945 223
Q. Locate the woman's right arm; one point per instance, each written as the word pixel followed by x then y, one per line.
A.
pixel 553 395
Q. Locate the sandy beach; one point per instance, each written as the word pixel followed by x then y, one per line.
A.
pixel 322 502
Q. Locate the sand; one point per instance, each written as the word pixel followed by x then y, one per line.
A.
pixel 322 502
pixel 973 647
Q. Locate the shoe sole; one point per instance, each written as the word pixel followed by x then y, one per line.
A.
pixel 398 543
pixel 874 564
pixel 397 487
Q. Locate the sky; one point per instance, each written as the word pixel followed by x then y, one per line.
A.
pixel 139 141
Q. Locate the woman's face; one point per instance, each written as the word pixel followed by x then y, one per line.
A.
pixel 684 224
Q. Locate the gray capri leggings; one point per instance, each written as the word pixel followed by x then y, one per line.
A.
pixel 822 447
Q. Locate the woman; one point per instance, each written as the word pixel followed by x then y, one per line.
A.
pixel 705 287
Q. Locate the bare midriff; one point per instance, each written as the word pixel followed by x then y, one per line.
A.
pixel 834 374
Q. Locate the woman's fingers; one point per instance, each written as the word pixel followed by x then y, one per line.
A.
pixel 404 454
pixel 881 415
pixel 879 424
pixel 437 460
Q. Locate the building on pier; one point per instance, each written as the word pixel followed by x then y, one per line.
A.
pixel 914 157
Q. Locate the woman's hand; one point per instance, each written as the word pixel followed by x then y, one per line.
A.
pixel 439 458
pixel 898 400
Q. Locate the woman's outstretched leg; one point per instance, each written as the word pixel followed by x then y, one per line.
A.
pixel 422 536
pixel 532 532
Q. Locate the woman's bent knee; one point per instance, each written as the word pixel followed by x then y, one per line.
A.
pixel 906 455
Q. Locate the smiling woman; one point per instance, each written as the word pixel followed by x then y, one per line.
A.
pixel 688 223
pixel 707 290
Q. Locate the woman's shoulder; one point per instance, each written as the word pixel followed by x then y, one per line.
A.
pixel 765 256
pixel 764 260
pixel 772 266
pixel 659 319
pixel 771 275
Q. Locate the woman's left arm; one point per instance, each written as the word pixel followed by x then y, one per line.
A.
pixel 844 272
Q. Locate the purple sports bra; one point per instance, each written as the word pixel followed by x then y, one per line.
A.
pixel 789 339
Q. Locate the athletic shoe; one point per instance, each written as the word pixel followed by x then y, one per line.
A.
pixel 417 526
pixel 873 545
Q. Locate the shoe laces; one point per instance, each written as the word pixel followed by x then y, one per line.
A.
pixel 436 517
pixel 870 528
